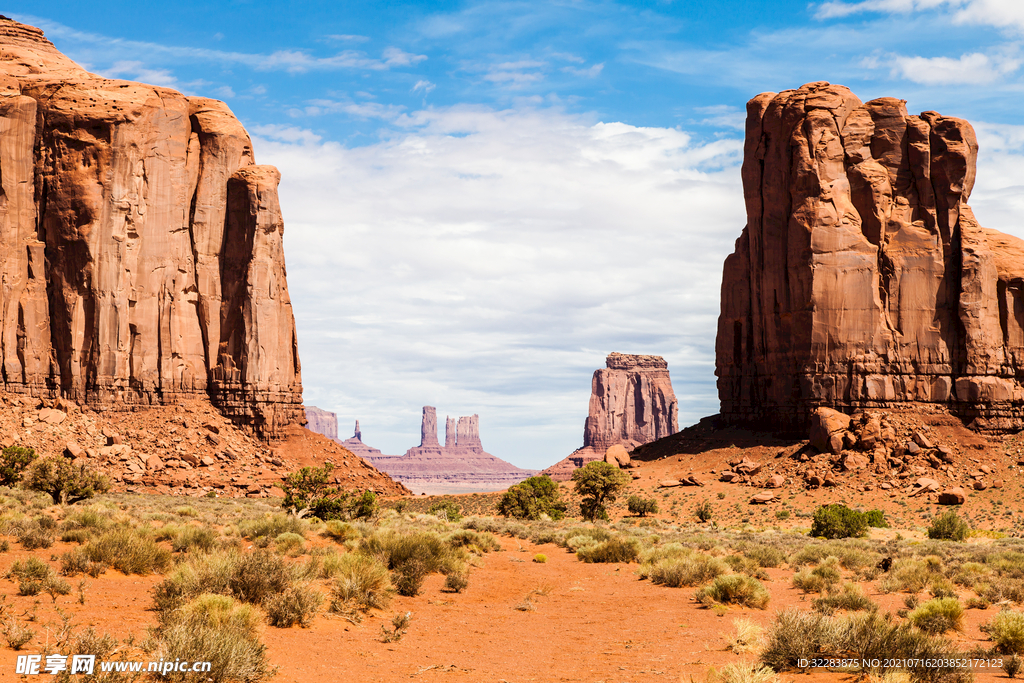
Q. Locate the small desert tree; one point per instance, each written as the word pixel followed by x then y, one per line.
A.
pixel 599 483
pixel 311 492
pixel 13 462
pixel 64 481
pixel 642 506
pixel 532 498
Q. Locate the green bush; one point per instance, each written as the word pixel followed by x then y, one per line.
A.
pixel 310 491
pixel 364 506
pixel 1006 630
pixel 290 543
pixel 13 462
pixel 65 482
pixel 734 589
pixel 938 616
pixel 532 499
pixel 613 550
pixel 30 568
pixel 704 511
pixel 296 605
pixel 447 510
pixel 642 506
pixel 598 483
pixel 540 558
pixel 838 521
pixel 456 583
pixel 948 527
pixel 876 519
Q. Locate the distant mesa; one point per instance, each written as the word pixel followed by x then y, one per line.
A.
pixel 461 464
pixel 862 278
pixel 631 404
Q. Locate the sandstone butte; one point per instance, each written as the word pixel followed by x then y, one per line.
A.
pixel 325 423
pixel 140 246
pixel 862 278
pixel 631 404
pixel 461 462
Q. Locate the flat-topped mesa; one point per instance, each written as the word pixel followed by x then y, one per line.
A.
pixel 631 403
pixel 140 246
pixel 322 422
pixel 862 277
pixel 469 433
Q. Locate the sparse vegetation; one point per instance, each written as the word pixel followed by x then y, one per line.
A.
pixel 838 521
pixel 641 506
pixel 948 527
pixel 65 482
pixel 598 483
pixel 938 616
pixel 1006 630
pixel 735 589
pixel 534 498
pixel 13 462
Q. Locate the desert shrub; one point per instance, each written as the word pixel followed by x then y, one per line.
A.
pixel 598 483
pixel 191 538
pixel 765 555
pixel 199 574
pixel 1012 666
pixel 474 541
pixel 975 602
pixel 30 568
pixel 16 635
pixel 641 506
pixel 876 519
pixel 54 585
pixel 797 636
pixel 742 672
pixel 290 543
pixel 540 558
pixel 869 636
pixel 907 575
pixel 75 562
pixel 734 589
pixel 36 533
pixel 1006 630
pixel 675 566
pixel 1001 590
pixel 215 629
pixel 447 510
pixel 938 615
pixel 851 598
pixel 704 511
pixel 296 605
pixel 128 551
pixel 65 482
pixel 613 550
pixel 820 578
pixel 311 492
pixel 838 521
pixel 948 527
pixel 457 582
pixel 942 588
pixel 576 538
pixel 272 526
pixel 364 505
pixel 362 583
pixel 532 499
pixel 396 550
pixel 14 460
pixel 257 576
pixel 340 531
pixel 747 636
pixel 968 573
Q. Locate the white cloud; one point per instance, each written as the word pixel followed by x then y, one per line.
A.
pixel 590 72
pixel 137 71
pixel 974 68
pixel 1000 13
pixel 486 261
pixel 425 86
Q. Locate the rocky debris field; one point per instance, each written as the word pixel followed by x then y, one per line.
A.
pixel 187 449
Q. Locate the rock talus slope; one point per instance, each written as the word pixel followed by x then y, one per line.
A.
pixel 862 278
pixel 140 246
pixel 631 403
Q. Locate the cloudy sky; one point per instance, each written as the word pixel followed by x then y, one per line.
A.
pixel 483 199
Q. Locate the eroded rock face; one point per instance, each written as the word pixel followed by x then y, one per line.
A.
pixel 862 277
pixel 323 422
pixel 140 246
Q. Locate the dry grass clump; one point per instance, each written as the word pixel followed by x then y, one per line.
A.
pixel 675 565
pixel 821 578
pixel 289 543
pixel 298 604
pixel 765 555
pixel 1006 630
pixel 36 533
pixel 851 598
pixel 129 551
pixel 219 630
pixel 734 589
pixel 797 636
pixel 742 672
pixel 938 616
pixel 340 531
pixel 747 637
pixel 272 526
pixel 362 583
pixel 615 549
pixel 412 556
pixel 476 542
pixel 910 575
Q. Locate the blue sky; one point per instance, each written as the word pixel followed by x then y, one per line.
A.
pixel 483 199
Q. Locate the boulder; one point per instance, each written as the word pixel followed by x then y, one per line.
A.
pixel 827 429
pixel 979 486
pixel 953 496
pixel 51 416
pixel 855 461
pixel 924 485
pixel 690 481
pixel 922 440
pixel 728 477
pixel 669 483
pixel 73 450
pixel 870 434
pixel 762 498
pixel 775 481
pixel 617 455
pixel 747 467
pixel 945 454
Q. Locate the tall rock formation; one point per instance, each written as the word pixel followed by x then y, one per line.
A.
pixel 631 404
pixel 862 277
pixel 322 422
pixel 461 463
pixel 356 445
pixel 140 246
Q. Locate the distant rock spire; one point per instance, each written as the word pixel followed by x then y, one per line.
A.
pixel 450 440
pixel 428 428
pixel 358 434
pixel 469 432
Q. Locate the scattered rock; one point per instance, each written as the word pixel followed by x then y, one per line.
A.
pixel 953 496
pixel 827 429
pixel 617 455
pixel 762 498
pixel 775 481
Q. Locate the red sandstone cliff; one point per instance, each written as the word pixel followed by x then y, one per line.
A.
pixel 862 277
pixel 140 246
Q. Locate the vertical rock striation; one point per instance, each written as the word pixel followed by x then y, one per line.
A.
pixel 323 422
pixel 141 246
pixel 862 277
